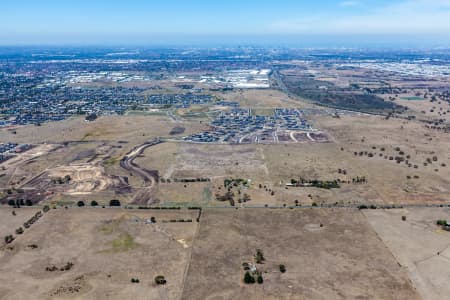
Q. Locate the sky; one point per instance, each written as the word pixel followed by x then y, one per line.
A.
pixel 92 22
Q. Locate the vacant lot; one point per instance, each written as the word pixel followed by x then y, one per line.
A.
pixel 195 160
pixel 133 129
pixel 107 247
pixel 342 259
pixel 419 245
pixel 262 99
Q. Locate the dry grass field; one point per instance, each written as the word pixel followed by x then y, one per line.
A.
pixel 342 259
pixel 10 222
pixel 107 247
pixel 262 99
pixel 134 129
pixel 419 245
pixel 328 254
pixel 425 150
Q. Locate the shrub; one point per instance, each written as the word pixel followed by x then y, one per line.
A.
pixel 260 279
pixel 80 203
pixel 94 203
pixel 160 280
pixel 282 268
pixel 259 257
pixel 114 202
pixel 19 230
pixel 9 239
pixel 135 280
pixel 248 278
pixel 441 222
pixel 46 208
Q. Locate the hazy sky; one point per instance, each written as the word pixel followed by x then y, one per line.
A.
pixel 148 21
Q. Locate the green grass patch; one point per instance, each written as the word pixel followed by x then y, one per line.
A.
pixel 263 112
pixel 107 228
pixel 207 194
pixel 111 161
pixel 123 242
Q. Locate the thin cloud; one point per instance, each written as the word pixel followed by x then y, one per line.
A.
pixel 349 3
pixel 407 17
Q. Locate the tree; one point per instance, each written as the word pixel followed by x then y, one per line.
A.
pixel 11 203
pixel 94 203
pixel 80 203
pixel 260 279
pixel 248 278
pixel 282 268
pixel 160 280
pixel 114 202
pixel 9 239
pixel 259 257
pixel 19 230
pixel 28 202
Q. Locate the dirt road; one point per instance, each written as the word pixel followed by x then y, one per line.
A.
pixel 145 195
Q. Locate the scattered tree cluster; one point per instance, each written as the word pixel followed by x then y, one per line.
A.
pixel 323 184
pixel 33 219
pixel 160 280
pixel 62 180
pixel 54 268
pixel 185 180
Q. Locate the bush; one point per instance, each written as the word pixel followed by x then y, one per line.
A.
pixel 282 268
pixel 441 222
pixel 80 203
pixel 19 230
pixel 9 239
pixel 46 208
pixel 135 280
pixel 94 203
pixel 114 202
pixel 160 280
pixel 248 278
pixel 260 279
pixel 259 257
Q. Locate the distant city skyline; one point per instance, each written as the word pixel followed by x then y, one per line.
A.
pixel 307 23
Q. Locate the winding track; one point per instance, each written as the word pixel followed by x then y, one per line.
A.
pixel 144 195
